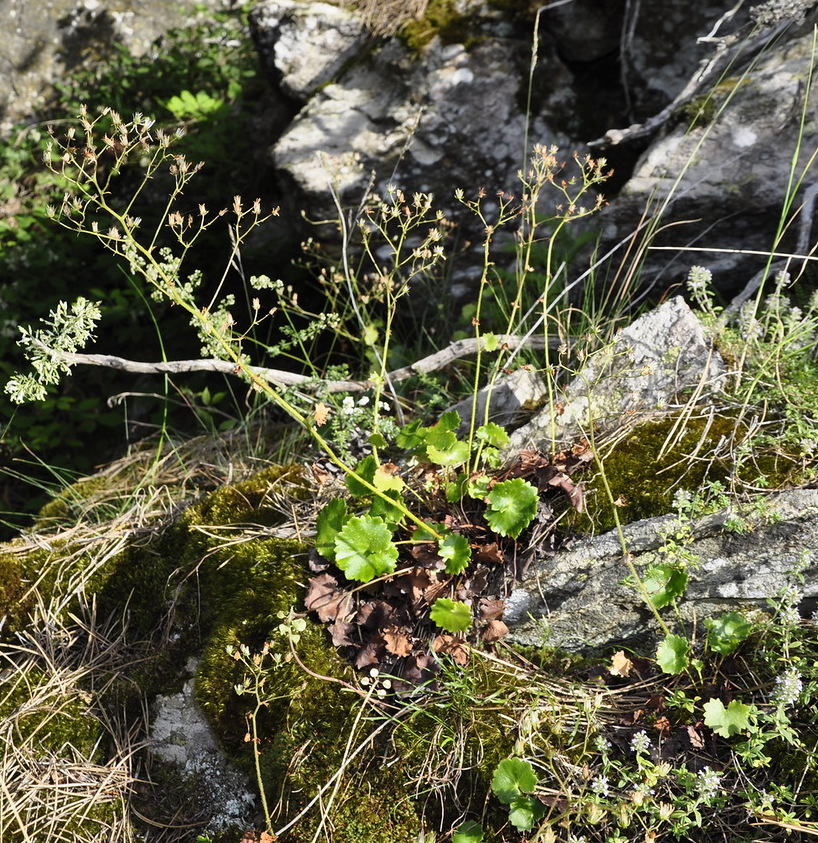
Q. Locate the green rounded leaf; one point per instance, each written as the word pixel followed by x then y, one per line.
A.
pixel 442 445
pixel 468 832
pixel 494 435
pixel 524 811
pixel 727 632
pixel 671 654
pixel 364 548
pixel 512 507
pixel 664 583
pixel 456 551
pixel 451 615
pixel 512 778
pixel 329 523
pixel 727 721
pixel 391 513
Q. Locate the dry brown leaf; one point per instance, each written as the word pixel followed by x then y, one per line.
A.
pixel 326 599
pixel 398 643
pixel 491 608
pixel 321 475
pixel 266 838
pixel 696 740
pixel 575 492
pixel 621 665
pixel 454 647
pixel 340 633
pixel 320 413
pixel 489 553
pixel 494 631
pixel 371 654
pixel 662 725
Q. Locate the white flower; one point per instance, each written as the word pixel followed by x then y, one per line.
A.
pixel 640 742
pixel 709 784
pixel 788 688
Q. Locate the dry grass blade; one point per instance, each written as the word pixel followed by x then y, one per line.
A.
pixel 386 18
pixel 58 778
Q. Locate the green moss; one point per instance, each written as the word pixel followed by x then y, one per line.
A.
pixel 16 600
pixel 644 475
pixel 442 19
pixel 703 110
pixel 252 500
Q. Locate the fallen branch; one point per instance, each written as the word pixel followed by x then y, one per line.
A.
pixel 279 377
pixel 729 50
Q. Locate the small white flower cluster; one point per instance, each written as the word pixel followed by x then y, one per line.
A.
pixel 380 687
pixel 698 283
pixel 788 687
pixel 709 784
pixel 640 742
pixel 788 614
pixel 600 786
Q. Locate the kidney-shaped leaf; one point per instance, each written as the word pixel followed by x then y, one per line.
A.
pixel 512 778
pixel 727 721
pixel 524 811
pixel 329 523
pixel 455 549
pixel 468 832
pixel 364 548
pixel 726 632
pixel 451 615
pixel 664 583
pixel 512 507
pixel 671 654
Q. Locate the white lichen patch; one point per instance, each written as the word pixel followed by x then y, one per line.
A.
pixel 181 737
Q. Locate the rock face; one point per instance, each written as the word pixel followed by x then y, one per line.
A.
pixel 728 176
pixel 43 40
pixel 180 735
pixel 577 599
pixel 648 366
pixel 447 119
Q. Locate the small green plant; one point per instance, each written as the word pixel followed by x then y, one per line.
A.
pixel 513 783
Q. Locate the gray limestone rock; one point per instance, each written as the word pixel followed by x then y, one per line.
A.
pixel 577 599
pixel 41 41
pixel 723 183
pixel 513 398
pixel 182 737
pixel 448 118
pixel 650 364
pixel 305 45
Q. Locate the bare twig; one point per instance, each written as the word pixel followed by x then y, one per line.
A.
pixel 728 50
pixel 432 363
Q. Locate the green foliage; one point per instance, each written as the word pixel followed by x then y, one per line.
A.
pixel 328 525
pixel 513 778
pixel 364 548
pixel 726 633
pixel 451 615
pixel 524 812
pixel 512 507
pixel 455 549
pixel 65 331
pixel 672 654
pixel 468 832
pixel 729 721
pixel 664 583
pixel 442 447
